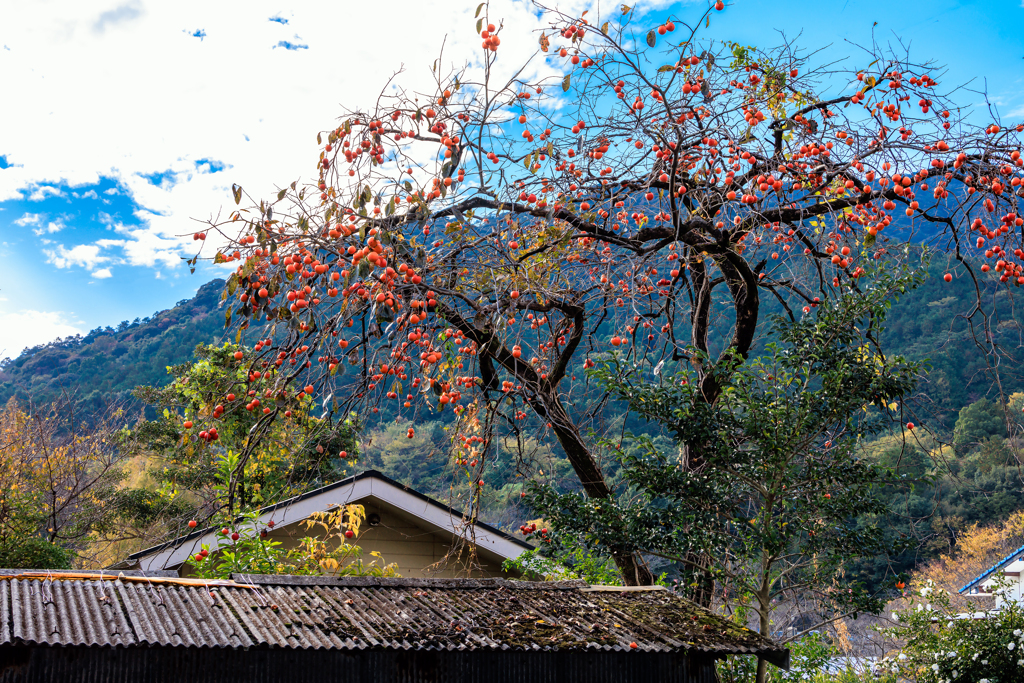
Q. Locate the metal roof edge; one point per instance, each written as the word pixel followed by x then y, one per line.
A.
pixel 386 582
pixel 991 570
pixel 100 574
pixel 779 659
pixel 371 474
pixel 604 588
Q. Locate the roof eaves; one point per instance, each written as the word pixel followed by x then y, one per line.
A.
pixel 198 533
pixel 991 570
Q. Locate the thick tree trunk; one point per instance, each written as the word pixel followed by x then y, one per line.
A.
pixel 632 566
pixel 546 403
pixel 764 619
pixel 743 289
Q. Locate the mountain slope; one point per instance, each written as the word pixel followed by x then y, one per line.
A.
pixel 106 364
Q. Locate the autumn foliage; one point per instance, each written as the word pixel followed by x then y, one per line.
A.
pixel 977 549
pixel 634 190
pixel 58 474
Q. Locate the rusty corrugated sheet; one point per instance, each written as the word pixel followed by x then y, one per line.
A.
pixel 181 616
pixel 282 616
pixel 500 616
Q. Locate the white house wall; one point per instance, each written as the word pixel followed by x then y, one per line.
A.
pixel 1014 592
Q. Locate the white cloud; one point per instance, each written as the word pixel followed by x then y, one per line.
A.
pixel 119 15
pixel 84 255
pixel 29 219
pixel 42 192
pixel 51 227
pixel 22 329
pixel 144 248
pixel 141 247
pixel 192 56
pixel 102 273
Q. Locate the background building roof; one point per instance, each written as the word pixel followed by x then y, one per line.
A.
pixel 370 483
pixel 992 570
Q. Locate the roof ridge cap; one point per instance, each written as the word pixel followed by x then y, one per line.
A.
pixel 401 582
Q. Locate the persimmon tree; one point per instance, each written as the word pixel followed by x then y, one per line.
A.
pixel 634 187
pixel 283 458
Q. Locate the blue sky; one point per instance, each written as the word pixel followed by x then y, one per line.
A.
pixel 127 121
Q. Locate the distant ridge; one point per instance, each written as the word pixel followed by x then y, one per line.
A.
pixel 107 363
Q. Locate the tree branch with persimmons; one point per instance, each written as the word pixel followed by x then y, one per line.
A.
pixel 591 204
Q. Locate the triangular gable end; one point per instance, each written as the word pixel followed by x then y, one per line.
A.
pixel 414 531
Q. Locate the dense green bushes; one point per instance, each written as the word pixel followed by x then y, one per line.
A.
pixel 942 645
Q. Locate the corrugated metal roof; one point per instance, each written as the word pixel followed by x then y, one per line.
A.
pixel 360 613
pixel 181 616
pixel 68 613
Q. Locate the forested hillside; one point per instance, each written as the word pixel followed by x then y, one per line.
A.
pixel 108 362
pixel 975 483
pixel 931 323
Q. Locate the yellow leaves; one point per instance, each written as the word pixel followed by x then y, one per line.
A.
pixel 322 555
pixel 977 549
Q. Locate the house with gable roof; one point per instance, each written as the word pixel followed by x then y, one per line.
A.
pixel 1009 569
pixel 405 526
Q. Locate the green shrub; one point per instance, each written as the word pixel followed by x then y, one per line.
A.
pixel 943 646
pixel 34 553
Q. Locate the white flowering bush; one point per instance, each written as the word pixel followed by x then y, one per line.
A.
pixel 941 645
